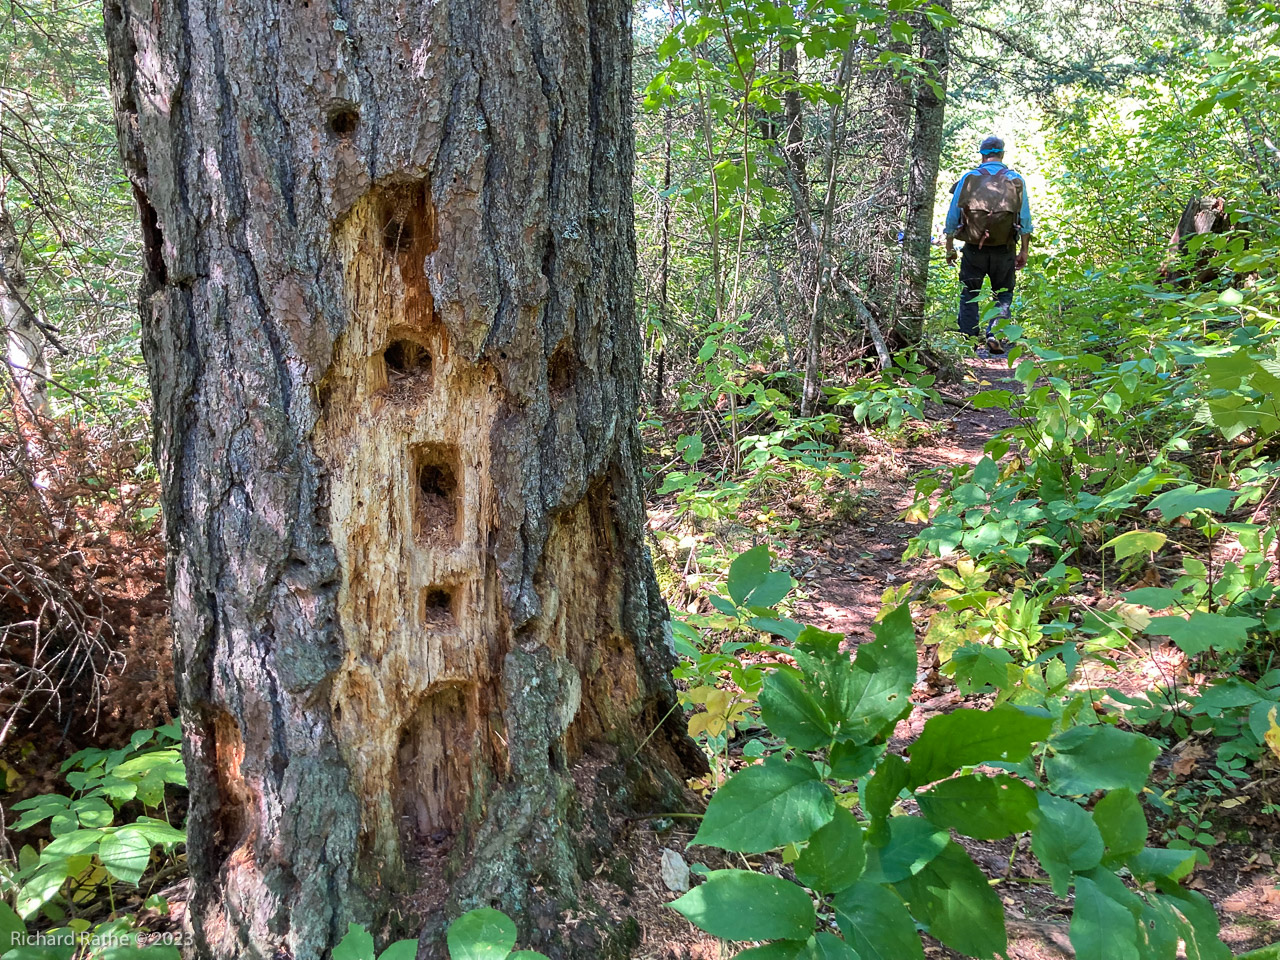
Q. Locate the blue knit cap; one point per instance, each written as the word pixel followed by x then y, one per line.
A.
pixel 991 145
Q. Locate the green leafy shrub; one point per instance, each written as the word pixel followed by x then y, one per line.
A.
pixel 89 848
pixel 483 934
pixel 829 795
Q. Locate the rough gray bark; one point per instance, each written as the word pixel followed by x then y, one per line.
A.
pixel 926 150
pixel 389 324
pixel 893 93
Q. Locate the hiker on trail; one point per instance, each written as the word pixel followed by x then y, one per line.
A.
pixel 990 213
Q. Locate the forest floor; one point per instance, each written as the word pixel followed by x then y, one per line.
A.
pixel 844 564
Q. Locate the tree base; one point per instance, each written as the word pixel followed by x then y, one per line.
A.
pixel 540 880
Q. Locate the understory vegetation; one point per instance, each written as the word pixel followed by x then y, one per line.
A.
pixel 1093 591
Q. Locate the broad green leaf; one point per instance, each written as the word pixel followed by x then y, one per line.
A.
pixel 747 572
pixel 790 712
pixel 882 791
pixel 834 858
pixel 356 945
pixel 743 905
pixel 1152 863
pixel 824 946
pixel 967 737
pixel 94 812
pixel 690 448
pixel 953 902
pixel 772 589
pixel 985 808
pixel 849 762
pixel 1190 498
pixel 977 667
pixel 12 929
pixel 71 844
pixel 778 950
pixel 988 399
pixel 408 950
pixel 41 888
pixel 1158 926
pixel 1205 631
pixel 877 924
pixel 1157 598
pixel 1135 542
pixel 483 934
pixel 157 831
pixel 1065 840
pixel 986 473
pixel 1200 931
pixel 125 854
pixel 140 953
pixel 766 806
pixel 1202 107
pixel 913 843
pixel 1086 759
pixel 1101 928
pixel 870 696
pixel 1122 823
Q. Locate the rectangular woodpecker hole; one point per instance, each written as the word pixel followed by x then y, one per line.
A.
pixel 437 507
pixel 433 764
pixel 407 365
pixel 438 606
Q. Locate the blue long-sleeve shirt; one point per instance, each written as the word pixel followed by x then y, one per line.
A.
pixel 990 166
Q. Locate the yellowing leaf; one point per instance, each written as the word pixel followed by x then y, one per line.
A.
pixel 1133 616
pixel 1273 733
pixel 1136 541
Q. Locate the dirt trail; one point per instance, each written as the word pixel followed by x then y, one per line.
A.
pixel 845 571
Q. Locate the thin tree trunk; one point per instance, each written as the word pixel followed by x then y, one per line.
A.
pixel 25 341
pixel 812 388
pixel 926 150
pixel 793 145
pixel 664 270
pixel 389 324
pixel 891 185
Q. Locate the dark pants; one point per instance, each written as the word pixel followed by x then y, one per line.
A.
pixel 998 263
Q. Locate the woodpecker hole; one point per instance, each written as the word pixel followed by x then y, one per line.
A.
pixel 343 121
pixel 437 606
pixel 438 494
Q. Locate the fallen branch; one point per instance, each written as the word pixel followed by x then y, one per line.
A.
pixel 858 301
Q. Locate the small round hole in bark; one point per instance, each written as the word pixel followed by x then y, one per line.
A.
pixel 343 121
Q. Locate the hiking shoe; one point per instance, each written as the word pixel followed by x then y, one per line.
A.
pixel 994 345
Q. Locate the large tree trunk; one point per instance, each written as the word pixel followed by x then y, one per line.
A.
pixel 389 324
pixel 926 151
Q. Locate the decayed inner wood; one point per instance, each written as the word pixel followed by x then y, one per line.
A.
pixel 405 434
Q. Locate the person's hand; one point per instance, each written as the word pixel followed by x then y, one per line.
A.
pixel 1021 261
pixel 951 255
